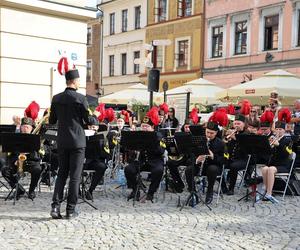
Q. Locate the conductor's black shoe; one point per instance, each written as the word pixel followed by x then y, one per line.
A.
pixel 89 195
pixel 71 214
pixel 230 192
pixel 31 195
pixel 209 198
pixel 132 195
pixel 149 197
pixel 55 213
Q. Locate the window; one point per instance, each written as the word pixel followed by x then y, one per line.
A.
pixel 124 20
pixel 161 10
pixel 137 20
pixel 89 36
pixel 184 8
pixel 298 38
pixel 112 23
pixel 271 32
pixel 136 67
pixel 183 47
pixel 217 41
pixel 240 38
pixel 159 57
pixel 111 65
pixel 124 63
pixel 88 71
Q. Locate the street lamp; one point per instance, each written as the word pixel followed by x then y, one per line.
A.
pixel 100 16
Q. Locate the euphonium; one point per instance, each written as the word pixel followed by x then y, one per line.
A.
pixel 39 125
pixel 20 163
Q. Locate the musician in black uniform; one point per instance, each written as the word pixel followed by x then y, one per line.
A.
pixel 183 160
pixel 96 163
pixel 237 159
pixel 150 161
pixel 212 166
pixel 279 161
pixel 31 164
pixel 70 110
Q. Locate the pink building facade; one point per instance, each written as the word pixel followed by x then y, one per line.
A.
pixel 245 39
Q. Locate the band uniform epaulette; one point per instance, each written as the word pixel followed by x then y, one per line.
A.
pixel 289 149
pixel 42 152
pixel 162 144
pixel 106 149
pixel 226 156
pixel 114 141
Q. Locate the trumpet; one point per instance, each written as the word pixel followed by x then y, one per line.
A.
pixel 228 137
pixel 273 139
pixel 20 163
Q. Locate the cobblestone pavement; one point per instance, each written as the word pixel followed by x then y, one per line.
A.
pixel 160 225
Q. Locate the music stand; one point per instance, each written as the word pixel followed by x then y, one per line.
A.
pixel 6 129
pixel 139 141
pixel 17 142
pixel 193 146
pixel 253 145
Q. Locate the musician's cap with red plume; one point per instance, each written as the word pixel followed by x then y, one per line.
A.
pixel 245 107
pixel 110 114
pixel 240 117
pixel 101 109
pixel 125 115
pixel 219 118
pixel 194 115
pixel 152 117
pixel 266 118
pixel 230 109
pixel 164 107
pixel 284 115
pixel 32 111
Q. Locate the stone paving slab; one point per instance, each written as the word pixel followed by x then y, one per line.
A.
pixel 160 225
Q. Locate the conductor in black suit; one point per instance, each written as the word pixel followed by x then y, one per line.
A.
pixel 70 110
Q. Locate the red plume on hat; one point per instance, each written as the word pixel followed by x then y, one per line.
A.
pixel 32 110
pixel 230 109
pixel 63 65
pixel 245 107
pixel 284 115
pixel 164 107
pixel 267 116
pixel 101 109
pixel 220 117
pixel 153 115
pixel 194 115
pixel 110 114
pixel 126 115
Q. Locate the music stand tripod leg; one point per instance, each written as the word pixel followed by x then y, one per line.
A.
pixel 83 190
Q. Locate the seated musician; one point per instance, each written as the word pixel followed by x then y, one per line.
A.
pixel 183 160
pixel 212 163
pixel 151 161
pixel 237 159
pixel 97 164
pixel 31 164
pixel 279 161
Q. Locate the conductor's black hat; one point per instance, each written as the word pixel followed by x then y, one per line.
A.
pixel 72 74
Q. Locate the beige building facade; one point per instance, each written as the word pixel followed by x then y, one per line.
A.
pixel 180 22
pixel 33 36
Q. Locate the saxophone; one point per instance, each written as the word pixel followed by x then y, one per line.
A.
pixel 20 163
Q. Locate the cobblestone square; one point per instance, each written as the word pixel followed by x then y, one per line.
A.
pixel 159 225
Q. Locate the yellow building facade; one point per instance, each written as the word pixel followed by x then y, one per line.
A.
pixel 181 22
